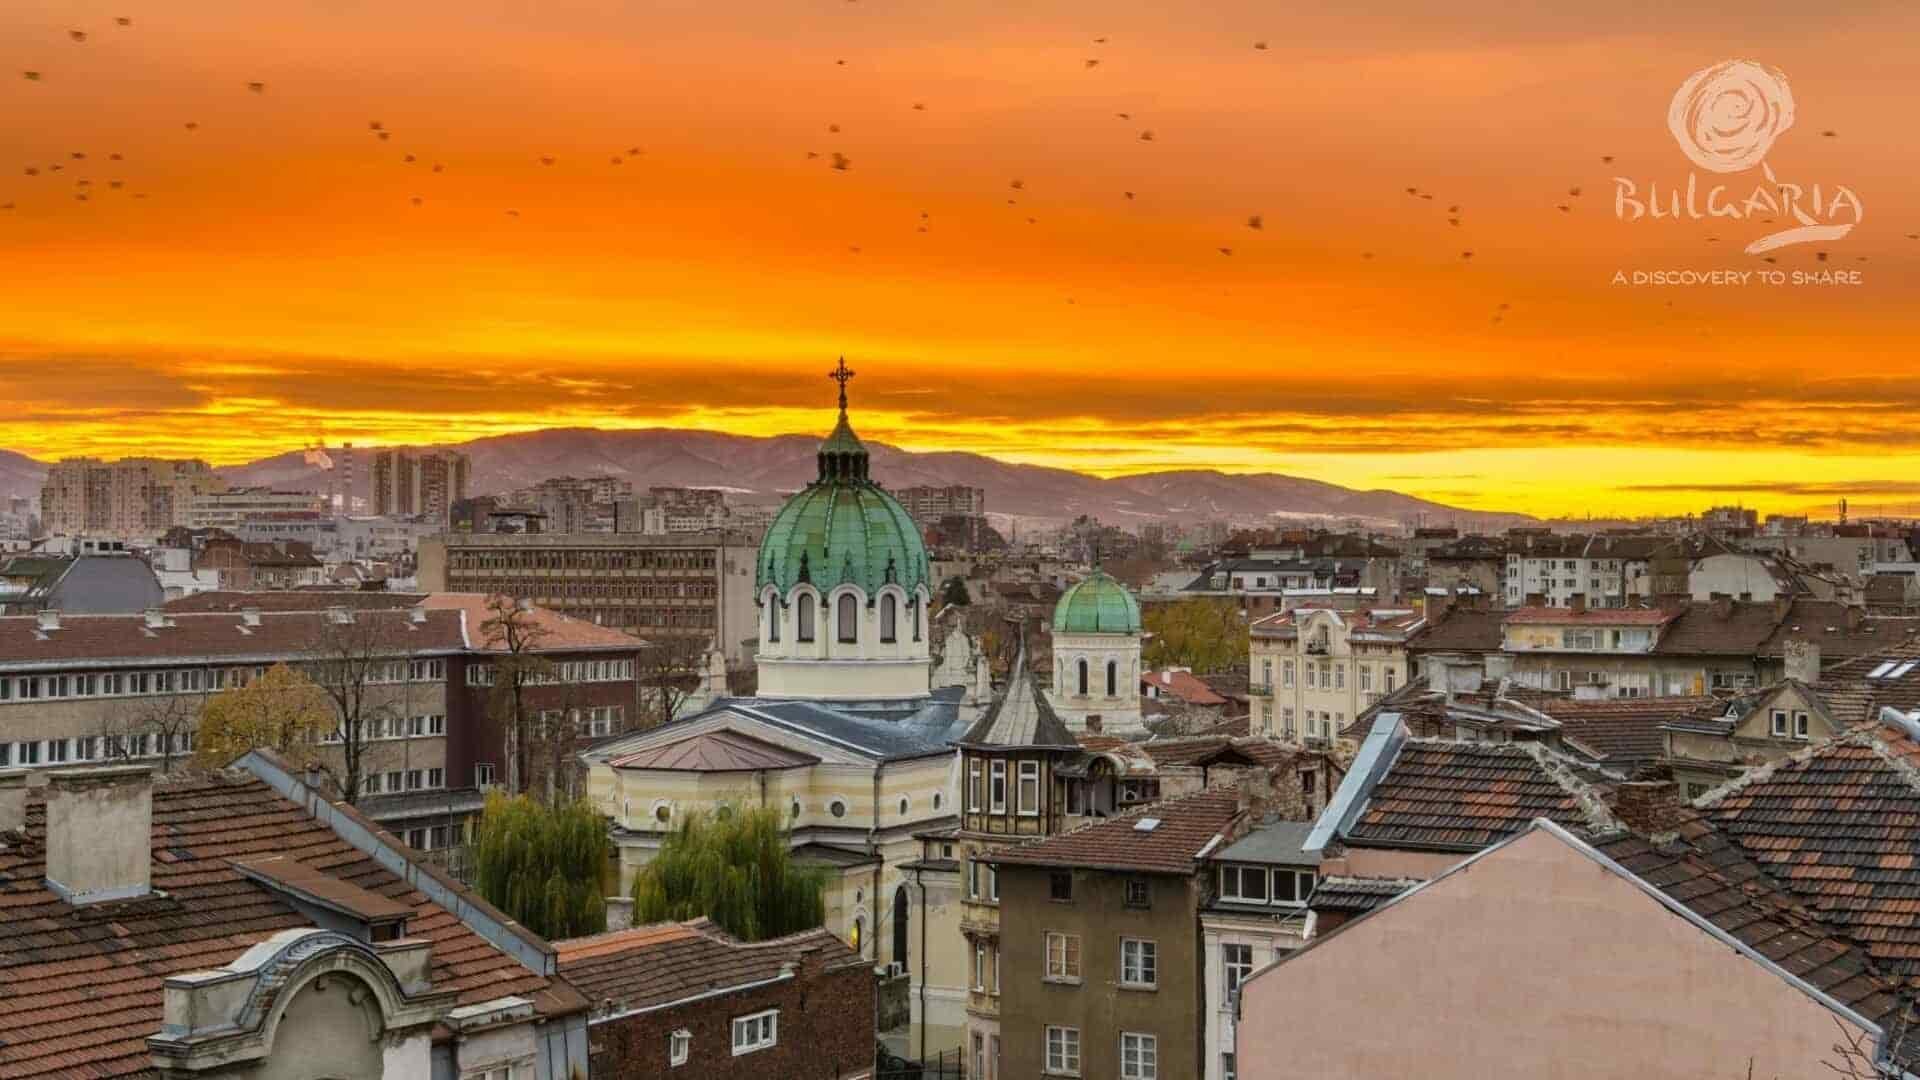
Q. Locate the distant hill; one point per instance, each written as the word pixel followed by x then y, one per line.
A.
pixel 770 467
pixel 20 476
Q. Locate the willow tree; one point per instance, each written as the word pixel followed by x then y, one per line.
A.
pixel 545 866
pixel 734 866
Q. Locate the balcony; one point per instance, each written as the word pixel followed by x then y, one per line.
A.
pixel 1260 689
pixel 1316 648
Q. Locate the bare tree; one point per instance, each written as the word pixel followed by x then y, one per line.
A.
pixel 161 721
pixel 669 670
pixel 512 632
pixel 350 656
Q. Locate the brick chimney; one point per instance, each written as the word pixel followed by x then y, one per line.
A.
pixel 1577 602
pixel 99 833
pixel 1802 660
pixel 1856 616
pixel 1650 807
pixel 1535 599
pixel 1722 605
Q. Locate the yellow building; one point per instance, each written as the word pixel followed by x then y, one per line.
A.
pixel 1314 669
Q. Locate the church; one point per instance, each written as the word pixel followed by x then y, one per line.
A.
pixel 846 734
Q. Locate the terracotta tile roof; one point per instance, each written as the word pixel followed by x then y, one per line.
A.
pixel 80 988
pixel 1210 749
pixel 292 600
pixel 1839 825
pixel 557 632
pixel 1461 629
pixel 1856 698
pixel 1554 616
pixel 654 965
pixel 1187 826
pixel 1840 631
pixel 1183 685
pixel 1461 796
pixel 714 751
pixel 1735 628
pixel 1626 730
pixel 1713 878
pixel 205 637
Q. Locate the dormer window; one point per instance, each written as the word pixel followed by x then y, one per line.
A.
pixel 1779 718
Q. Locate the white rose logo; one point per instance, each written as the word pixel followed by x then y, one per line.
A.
pixel 1725 117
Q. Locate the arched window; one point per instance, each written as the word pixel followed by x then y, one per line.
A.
pixel 888 615
pixel 1113 678
pixel 859 928
pixel 849 620
pixel 1083 678
pixel 901 913
pixel 803 616
pixel 773 618
pixel 913 612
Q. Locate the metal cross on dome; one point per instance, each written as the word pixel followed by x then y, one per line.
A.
pixel 840 375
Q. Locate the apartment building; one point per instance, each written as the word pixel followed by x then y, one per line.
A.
pixel 228 509
pixel 654 587
pixel 125 499
pixel 927 504
pixel 411 483
pixel 1314 669
pixel 1604 570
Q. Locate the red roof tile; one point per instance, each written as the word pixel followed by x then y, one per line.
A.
pixel 1186 827
pixel 653 965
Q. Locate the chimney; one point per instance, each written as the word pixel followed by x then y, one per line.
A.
pixel 13 801
pixel 1722 605
pixel 156 618
pixel 1650 807
pixel 47 619
pixel 1856 617
pixel 1535 599
pixel 249 616
pixel 1577 602
pixel 1802 660
pixel 417 615
pixel 100 833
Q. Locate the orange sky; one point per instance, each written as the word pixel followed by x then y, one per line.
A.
pixel 277 284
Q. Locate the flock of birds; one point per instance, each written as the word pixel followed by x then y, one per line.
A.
pixel 835 160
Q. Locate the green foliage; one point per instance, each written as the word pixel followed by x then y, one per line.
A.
pixel 1204 634
pixel 954 591
pixel 546 866
pixel 734 867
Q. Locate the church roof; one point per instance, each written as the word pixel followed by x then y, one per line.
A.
pixel 1097 605
pixel 881 730
pixel 843 528
pixel 714 751
pixel 1021 717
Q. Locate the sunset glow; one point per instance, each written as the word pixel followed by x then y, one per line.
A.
pixel 276 283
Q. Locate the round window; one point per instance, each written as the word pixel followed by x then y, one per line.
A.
pixel 723 812
pixel 662 812
pixel 837 808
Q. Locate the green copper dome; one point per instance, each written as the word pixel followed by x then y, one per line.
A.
pixel 843 528
pixel 1098 605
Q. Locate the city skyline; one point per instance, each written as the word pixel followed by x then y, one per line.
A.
pixel 277 284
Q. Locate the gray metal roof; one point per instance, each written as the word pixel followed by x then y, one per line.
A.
pixel 1281 843
pixel 886 730
pixel 1021 717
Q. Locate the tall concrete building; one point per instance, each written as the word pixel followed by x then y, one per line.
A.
pixel 132 497
pixel 928 504
pixel 410 483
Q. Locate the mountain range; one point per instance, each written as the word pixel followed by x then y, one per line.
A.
pixel 765 468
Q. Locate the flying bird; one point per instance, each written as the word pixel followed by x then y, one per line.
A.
pixel 1454 221
pixel 1033 221
pixel 1093 63
pixel 31 171
pixel 6 206
pixel 1574 191
pixel 257 87
pixel 1124 116
pixel 811 154
pixel 31 76
pixel 78 155
pixel 614 160
pixel 633 151
pixel 1829 133
pixel 841 63
pixel 77 35
pixel 1427 195
pixel 1820 255
pixel 193 125
pixel 919 106
pixel 841 162
pixel 1606 159
pixel 1128 194
pixel 1226 251
pixel 1466 254
pixel 833 129
pixel 80 196
pixel 417 200
pixel 384 135
pixel 1146 136
pixel 113 157
pixel 513 213
pixel 1563 208
pixel 437 167
pixel 1017 185
pixel 409 159
pixel 116 184
pixel 1254 222
pixel 546 160
pixel 1366 254
pixel 374 125
pixel 1454 209
pixel 1260 45
pixel 1099 41
pixel 122 21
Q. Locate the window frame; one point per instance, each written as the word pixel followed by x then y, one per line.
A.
pixel 1069 969
pixel 767 1021
pixel 997 787
pixel 1139 964
pixel 1028 772
pixel 1233 971
pixel 1068 1057
pixel 679 1047
pixel 1146 1060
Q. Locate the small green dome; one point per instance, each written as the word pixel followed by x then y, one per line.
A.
pixel 843 528
pixel 1097 605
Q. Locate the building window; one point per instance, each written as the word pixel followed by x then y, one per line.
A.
pixel 773 618
pixel 1139 1057
pixel 803 618
pixel 1286 674
pixel 1236 963
pixel 997 787
pixel 1063 1051
pixel 1247 884
pixel 1139 964
pixel 980 966
pixel 1799 725
pixel 756 1032
pixel 838 808
pixel 1060 885
pixel 1780 723
pixel 888 617
pixel 1113 678
pixel 1228 1070
pixel 483 775
pixel 679 1044
pixel 1292 887
pixel 1063 957
pixel 1029 791
pixel 976 786
pixel 1081 668
pixel 849 619
pixel 1138 893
